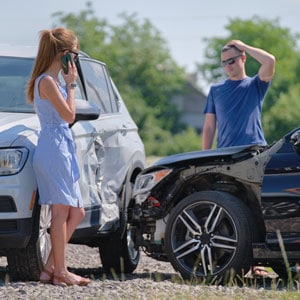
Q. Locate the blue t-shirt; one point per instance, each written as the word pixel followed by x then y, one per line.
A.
pixel 238 106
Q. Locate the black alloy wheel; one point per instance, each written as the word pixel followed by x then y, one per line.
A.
pixel 208 236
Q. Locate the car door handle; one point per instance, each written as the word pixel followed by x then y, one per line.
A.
pixel 124 130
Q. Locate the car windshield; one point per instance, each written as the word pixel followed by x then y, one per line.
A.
pixel 14 75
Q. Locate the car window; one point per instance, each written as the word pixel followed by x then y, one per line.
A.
pixel 98 86
pixel 78 89
pixel 14 75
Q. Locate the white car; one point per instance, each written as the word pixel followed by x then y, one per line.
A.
pixel 110 155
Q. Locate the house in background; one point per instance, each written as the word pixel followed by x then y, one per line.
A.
pixel 191 103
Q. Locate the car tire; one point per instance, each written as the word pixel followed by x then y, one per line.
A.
pixel 208 236
pixel 118 254
pixel 27 263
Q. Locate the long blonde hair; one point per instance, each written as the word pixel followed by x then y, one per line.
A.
pixel 51 42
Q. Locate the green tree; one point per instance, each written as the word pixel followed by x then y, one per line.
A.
pixel 268 35
pixel 284 115
pixel 141 66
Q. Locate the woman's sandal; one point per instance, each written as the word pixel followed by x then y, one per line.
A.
pixel 48 280
pixel 64 280
pixel 83 281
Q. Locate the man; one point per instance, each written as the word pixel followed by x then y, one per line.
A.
pixel 234 106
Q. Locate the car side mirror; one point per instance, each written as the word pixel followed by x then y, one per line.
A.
pixel 295 139
pixel 85 111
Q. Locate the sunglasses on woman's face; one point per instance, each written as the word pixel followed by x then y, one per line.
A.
pixel 229 61
pixel 75 54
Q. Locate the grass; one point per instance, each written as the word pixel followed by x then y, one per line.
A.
pixel 177 289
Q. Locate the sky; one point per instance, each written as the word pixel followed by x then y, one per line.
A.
pixel 182 23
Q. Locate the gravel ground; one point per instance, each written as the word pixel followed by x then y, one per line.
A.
pixel 151 280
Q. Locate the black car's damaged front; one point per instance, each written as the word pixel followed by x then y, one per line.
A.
pixel 205 211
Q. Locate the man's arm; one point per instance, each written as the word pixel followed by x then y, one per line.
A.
pixel 267 60
pixel 209 129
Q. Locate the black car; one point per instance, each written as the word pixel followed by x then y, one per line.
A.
pixel 217 212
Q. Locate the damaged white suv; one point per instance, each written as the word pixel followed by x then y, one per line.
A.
pixel 110 155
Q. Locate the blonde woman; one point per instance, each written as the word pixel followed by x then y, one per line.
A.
pixel 54 160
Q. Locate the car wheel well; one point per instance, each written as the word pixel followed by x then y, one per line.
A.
pixel 135 173
pixel 125 196
pixel 227 184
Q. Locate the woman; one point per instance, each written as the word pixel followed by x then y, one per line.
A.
pixel 54 161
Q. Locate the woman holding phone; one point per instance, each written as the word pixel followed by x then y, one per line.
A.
pixel 54 160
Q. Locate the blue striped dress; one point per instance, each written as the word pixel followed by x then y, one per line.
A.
pixel 54 160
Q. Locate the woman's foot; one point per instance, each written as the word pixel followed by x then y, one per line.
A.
pixel 70 279
pixel 81 280
pixel 46 276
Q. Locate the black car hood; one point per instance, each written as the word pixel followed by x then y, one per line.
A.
pixel 228 154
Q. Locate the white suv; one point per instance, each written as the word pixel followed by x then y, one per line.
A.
pixel 110 155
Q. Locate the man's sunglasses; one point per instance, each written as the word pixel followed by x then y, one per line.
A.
pixel 229 61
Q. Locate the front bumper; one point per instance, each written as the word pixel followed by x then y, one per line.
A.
pixel 14 233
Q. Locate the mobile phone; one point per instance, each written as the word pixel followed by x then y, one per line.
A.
pixel 65 62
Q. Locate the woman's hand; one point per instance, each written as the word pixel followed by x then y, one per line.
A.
pixel 72 74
